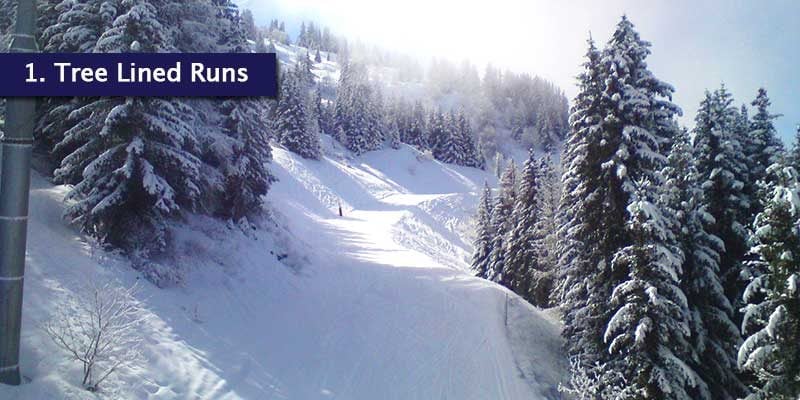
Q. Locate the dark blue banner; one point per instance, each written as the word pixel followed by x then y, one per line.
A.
pixel 138 74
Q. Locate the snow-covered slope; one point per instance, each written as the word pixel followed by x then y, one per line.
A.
pixel 377 304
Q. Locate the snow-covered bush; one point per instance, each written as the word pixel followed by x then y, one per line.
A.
pixel 98 327
pixel 425 156
pixel 589 383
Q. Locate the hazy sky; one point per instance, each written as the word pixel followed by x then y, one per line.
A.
pixel 696 44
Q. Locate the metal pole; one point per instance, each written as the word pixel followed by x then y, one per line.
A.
pixel 506 310
pixel 14 187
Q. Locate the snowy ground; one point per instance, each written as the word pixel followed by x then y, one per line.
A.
pixel 377 304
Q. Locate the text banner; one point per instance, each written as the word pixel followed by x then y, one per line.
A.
pixel 138 74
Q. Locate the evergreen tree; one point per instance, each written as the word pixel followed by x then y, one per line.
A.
pixel 358 112
pixel 523 273
pixel 714 334
pixel 322 112
pixel 649 327
pixel 394 136
pixel 765 148
pixel 292 117
pixel 302 39
pixel 249 25
pixel 77 27
pixel 304 68
pixel 261 43
pixel 547 227
pixel 231 37
pixel 499 161
pixel 772 315
pixel 393 122
pixel 469 154
pixel 441 141
pixel 417 134
pixel 376 119
pixel 740 129
pixel 794 156
pixel 586 249
pixel 484 235
pixel 502 221
pixel 646 330
pixel 245 169
pixel 720 163
pixel 143 170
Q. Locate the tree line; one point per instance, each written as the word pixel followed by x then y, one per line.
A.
pixel 678 251
pixel 360 117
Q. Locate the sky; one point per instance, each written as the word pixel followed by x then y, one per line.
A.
pixel 697 45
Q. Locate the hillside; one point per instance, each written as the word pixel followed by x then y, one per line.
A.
pixel 376 304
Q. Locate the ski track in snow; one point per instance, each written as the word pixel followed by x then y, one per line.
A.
pixel 381 306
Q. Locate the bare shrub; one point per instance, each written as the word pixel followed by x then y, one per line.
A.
pixel 99 327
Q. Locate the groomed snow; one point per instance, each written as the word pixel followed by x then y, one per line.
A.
pixel 378 304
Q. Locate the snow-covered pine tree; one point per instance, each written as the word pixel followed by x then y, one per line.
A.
pixel 376 119
pixel 480 153
pixel 768 147
pixel 547 228
pixel 714 334
pixel 646 330
pixel 292 123
pixel 502 221
pixel 740 130
pixel 144 170
pixel 69 127
pixel 304 67
pixel 261 43
pixel 458 147
pixel 302 39
pixel 328 42
pixel 77 28
pixel 441 140
pixel 355 114
pixel 231 37
pixel 322 112
pixel 499 162
pixel 586 248
pixel 469 154
pixel 484 234
pixel 417 134
pixel 772 315
pixel 247 176
pixel 393 122
pixel 720 164
pixel 523 273
pixel 764 147
pixel 80 143
pixel 649 328
pixel 794 155
pixel 249 25
pixel 394 135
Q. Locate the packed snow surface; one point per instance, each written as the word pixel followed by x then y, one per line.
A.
pixel 377 304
